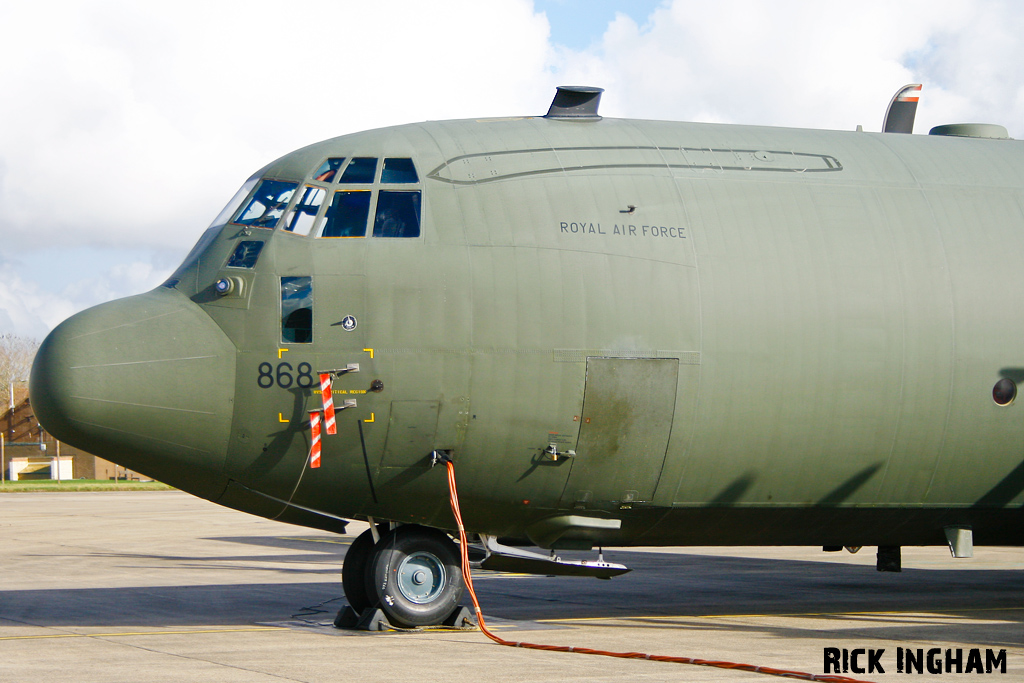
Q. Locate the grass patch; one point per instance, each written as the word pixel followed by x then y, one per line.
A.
pixel 81 485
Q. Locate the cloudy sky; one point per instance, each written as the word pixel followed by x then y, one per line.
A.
pixel 125 126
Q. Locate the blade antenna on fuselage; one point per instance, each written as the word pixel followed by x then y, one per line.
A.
pixel 899 117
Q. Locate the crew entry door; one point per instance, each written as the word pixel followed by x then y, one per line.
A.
pixel 628 404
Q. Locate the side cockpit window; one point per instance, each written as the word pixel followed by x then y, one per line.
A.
pixel 267 204
pixel 229 210
pixel 364 204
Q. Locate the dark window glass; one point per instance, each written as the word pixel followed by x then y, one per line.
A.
pixel 399 171
pixel 398 214
pixel 246 254
pixel 328 169
pixel 360 170
pixel 347 214
pixel 297 310
pixel 267 204
pixel 1004 391
pixel 300 218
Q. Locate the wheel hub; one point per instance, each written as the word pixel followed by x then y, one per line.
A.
pixel 421 577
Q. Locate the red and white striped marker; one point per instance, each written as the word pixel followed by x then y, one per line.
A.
pixel 325 392
pixel 314 449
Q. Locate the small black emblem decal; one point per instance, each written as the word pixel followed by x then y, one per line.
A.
pixel 348 323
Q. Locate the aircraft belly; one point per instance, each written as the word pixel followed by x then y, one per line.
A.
pixel 822 526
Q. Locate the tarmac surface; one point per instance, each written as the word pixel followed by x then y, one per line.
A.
pixel 161 586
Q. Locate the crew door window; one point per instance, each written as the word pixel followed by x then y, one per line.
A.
pixel 297 310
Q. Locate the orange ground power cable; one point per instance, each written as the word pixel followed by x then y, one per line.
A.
pixel 467 577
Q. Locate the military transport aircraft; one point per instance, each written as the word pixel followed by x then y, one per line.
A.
pixel 621 332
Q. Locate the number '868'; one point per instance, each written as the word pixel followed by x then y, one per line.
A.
pixel 283 375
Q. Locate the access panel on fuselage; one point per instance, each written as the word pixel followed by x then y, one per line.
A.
pixel 628 404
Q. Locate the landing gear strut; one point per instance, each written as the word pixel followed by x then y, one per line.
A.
pixel 412 575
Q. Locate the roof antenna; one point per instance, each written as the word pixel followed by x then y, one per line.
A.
pixel 899 117
pixel 578 102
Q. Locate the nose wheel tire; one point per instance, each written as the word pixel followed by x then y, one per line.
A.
pixel 353 572
pixel 415 576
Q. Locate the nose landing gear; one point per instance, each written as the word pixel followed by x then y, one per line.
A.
pixel 412 574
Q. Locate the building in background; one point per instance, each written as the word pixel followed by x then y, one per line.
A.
pixel 31 453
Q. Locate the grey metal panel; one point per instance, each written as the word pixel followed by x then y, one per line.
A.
pixel 628 407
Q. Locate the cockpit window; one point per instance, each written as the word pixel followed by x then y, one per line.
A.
pixel 347 214
pixel 398 171
pixel 297 310
pixel 235 202
pixel 267 204
pixel 360 170
pixel 328 169
pixel 300 218
pixel 398 214
pixel 246 254
pixel 380 210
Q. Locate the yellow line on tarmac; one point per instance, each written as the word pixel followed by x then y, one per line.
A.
pixel 937 613
pixel 144 633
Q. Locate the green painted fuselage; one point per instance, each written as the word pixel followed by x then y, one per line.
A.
pixel 744 335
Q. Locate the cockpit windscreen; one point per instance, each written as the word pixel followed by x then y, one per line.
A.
pixel 267 204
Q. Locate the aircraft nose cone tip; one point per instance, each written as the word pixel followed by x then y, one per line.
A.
pixel 146 382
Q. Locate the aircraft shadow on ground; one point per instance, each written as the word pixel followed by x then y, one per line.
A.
pixel 665 591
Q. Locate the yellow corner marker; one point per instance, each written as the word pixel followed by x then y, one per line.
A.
pixel 280 351
pixel 280 418
pixel 369 351
pixel 371 418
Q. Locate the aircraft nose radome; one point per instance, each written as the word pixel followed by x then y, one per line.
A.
pixel 147 382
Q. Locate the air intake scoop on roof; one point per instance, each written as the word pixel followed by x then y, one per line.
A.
pixel 575 102
pixel 972 130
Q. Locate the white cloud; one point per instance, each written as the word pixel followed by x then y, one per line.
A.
pixel 132 123
pixel 28 309
pixel 127 125
pixel 812 64
pixel 781 63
